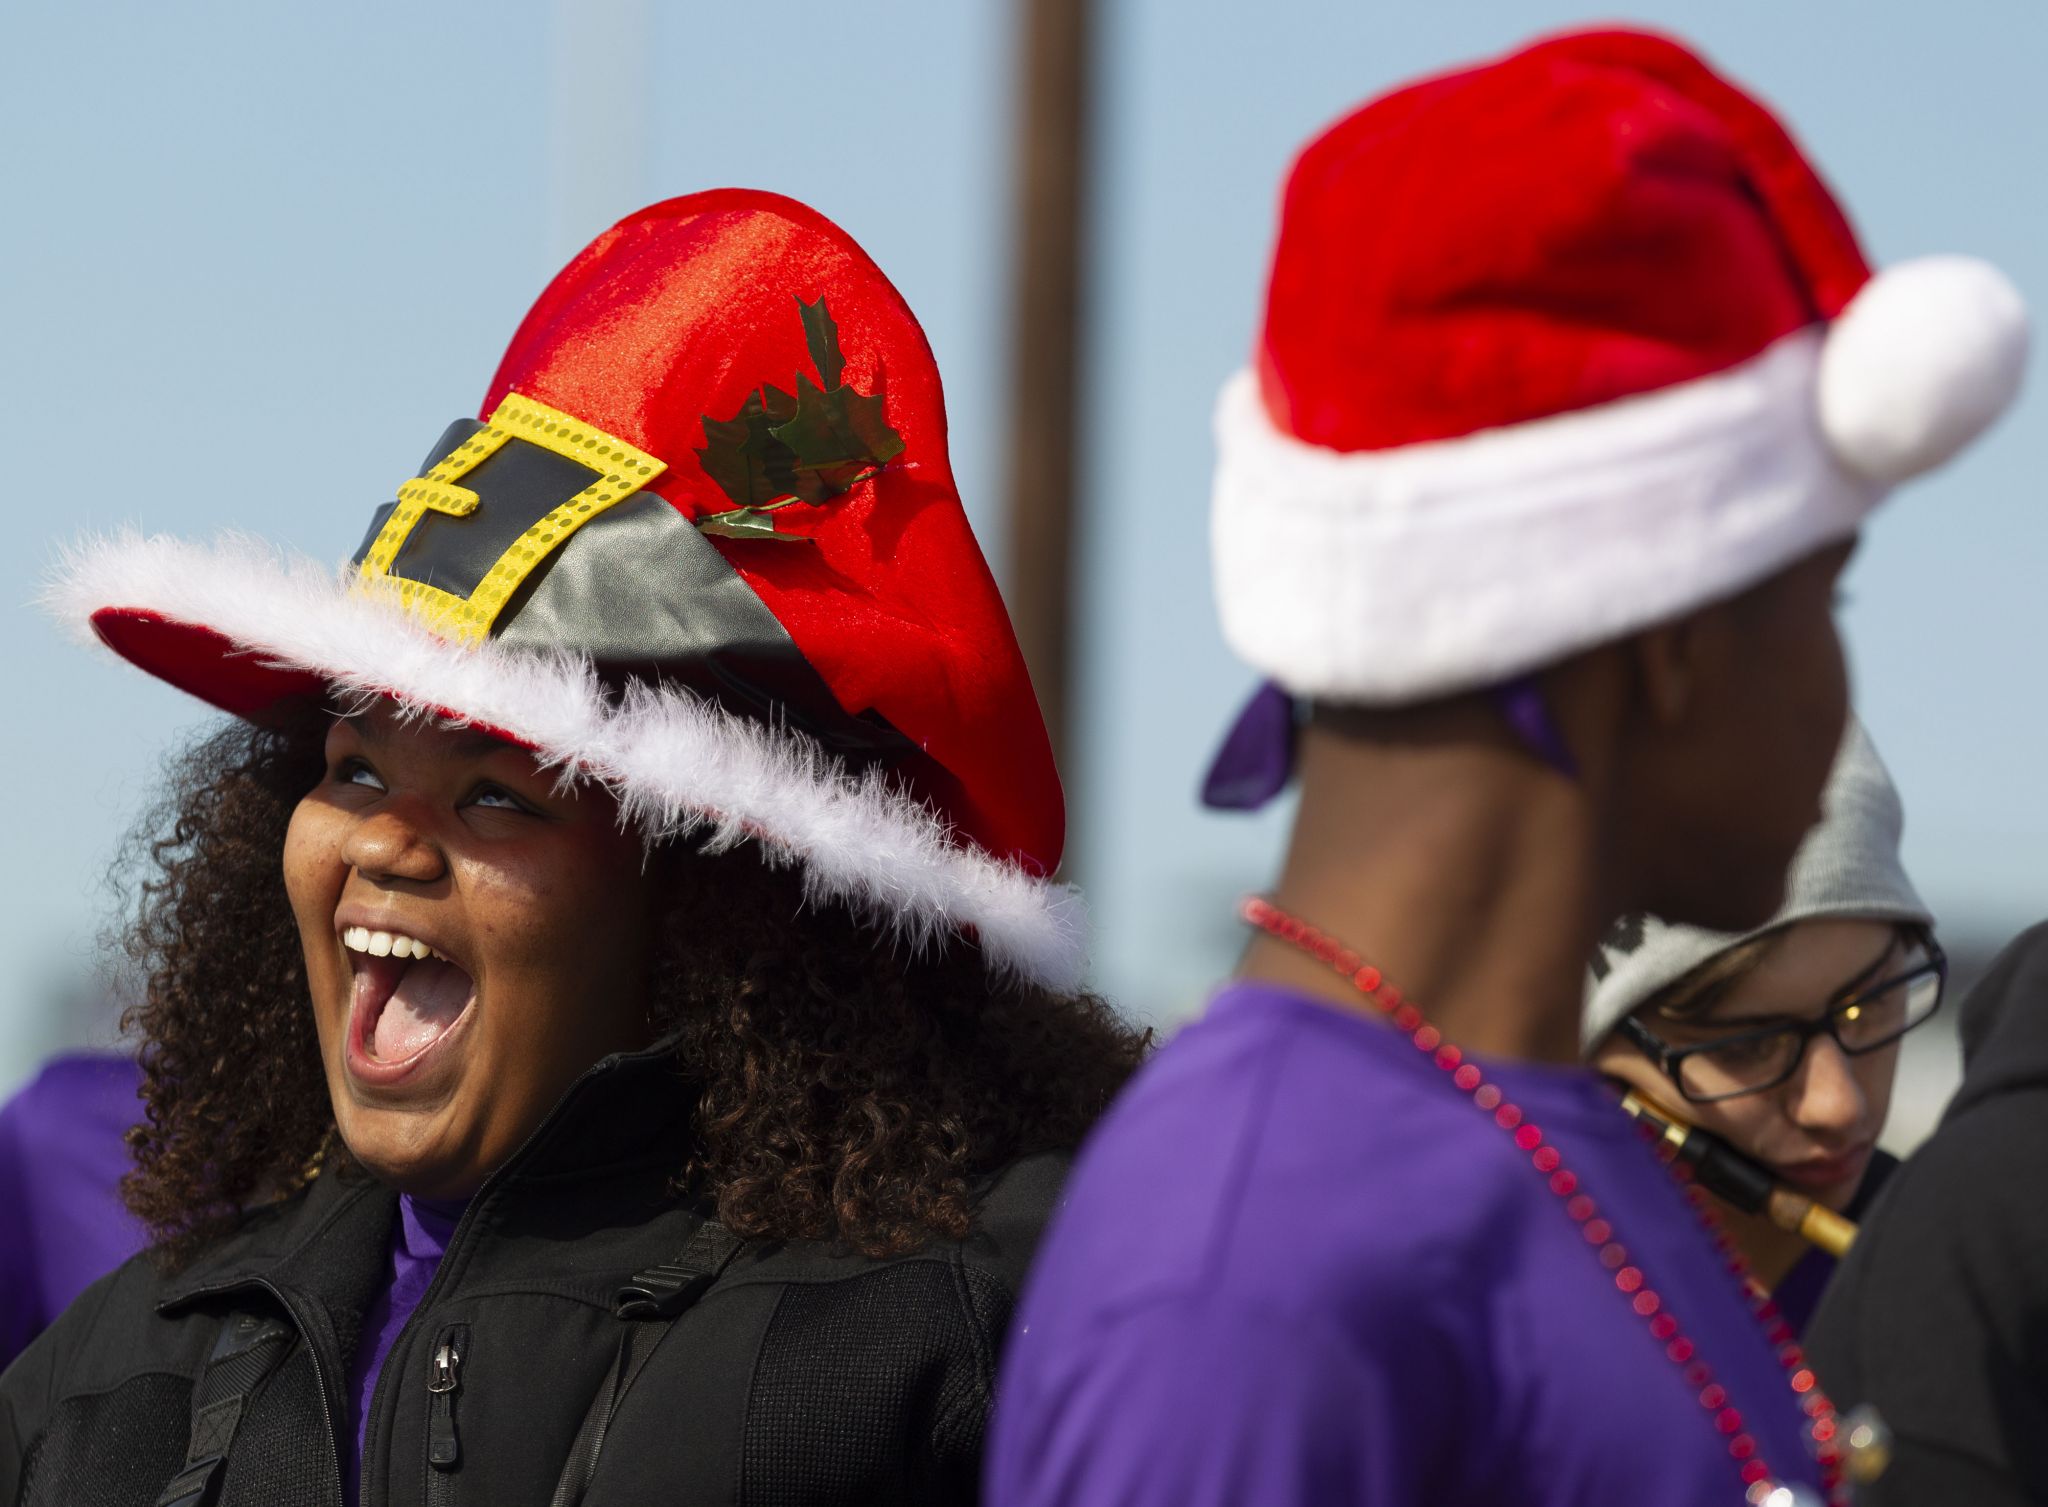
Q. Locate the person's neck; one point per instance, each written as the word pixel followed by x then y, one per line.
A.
pixel 1470 875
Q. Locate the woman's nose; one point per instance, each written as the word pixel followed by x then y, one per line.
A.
pixel 389 844
pixel 1826 1095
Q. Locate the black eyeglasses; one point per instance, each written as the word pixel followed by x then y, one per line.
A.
pixel 1864 1017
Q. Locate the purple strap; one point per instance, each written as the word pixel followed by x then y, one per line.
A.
pixel 1256 759
pixel 1521 702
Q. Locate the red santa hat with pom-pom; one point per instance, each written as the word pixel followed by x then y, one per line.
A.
pixel 1556 348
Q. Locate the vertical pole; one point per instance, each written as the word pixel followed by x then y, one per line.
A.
pixel 1050 205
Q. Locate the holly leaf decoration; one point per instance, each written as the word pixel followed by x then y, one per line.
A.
pixel 822 336
pixel 836 438
pixel 745 523
pixel 741 454
pixel 781 449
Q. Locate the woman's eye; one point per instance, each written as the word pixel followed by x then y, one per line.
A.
pixel 356 772
pixel 498 798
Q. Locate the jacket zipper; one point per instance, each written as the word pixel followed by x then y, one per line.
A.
pixel 444 1384
pixel 534 1138
pixel 440 1486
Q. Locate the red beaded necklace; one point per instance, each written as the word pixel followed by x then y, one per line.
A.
pixel 1679 1348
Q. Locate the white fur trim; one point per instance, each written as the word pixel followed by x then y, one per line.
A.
pixel 1396 575
pixel 678 765
pixel 1925 357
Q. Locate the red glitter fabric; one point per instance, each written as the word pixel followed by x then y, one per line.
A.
pixel 685 309
pixel 668 321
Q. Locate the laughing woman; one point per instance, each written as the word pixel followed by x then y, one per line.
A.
pixel 609 1036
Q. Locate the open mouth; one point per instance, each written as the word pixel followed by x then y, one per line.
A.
pixel 408 998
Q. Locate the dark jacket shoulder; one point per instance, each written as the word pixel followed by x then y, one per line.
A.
pixel 865 1379
pixel 804 1374
pixel 109 1334
pixel 1938 1316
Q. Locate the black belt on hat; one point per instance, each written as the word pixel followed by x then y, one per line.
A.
pixel 636 588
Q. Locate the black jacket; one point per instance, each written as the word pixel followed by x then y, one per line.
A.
pixel 802 1375
pixel 1939 1315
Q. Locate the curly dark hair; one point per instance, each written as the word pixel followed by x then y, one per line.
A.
pixel 846 1090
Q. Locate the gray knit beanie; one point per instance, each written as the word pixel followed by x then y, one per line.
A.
pixel 1847 866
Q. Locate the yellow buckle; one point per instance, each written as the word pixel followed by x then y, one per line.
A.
pixel 624 471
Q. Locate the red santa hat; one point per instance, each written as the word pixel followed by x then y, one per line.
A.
pixel 1558 347
pixel 702 543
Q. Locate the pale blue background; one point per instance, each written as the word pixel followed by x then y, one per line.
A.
pixel 256 256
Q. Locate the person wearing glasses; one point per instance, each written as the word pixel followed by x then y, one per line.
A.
pixel 1784 1041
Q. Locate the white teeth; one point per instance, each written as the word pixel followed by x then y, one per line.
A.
pixel 387 944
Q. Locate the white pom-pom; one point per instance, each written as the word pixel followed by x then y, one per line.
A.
pixel 1919 364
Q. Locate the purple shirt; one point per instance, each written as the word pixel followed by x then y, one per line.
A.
pixel 419 1236
pixel 62 1158
pixel 1296 1265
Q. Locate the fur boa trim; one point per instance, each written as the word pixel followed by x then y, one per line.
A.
pixel 679 766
